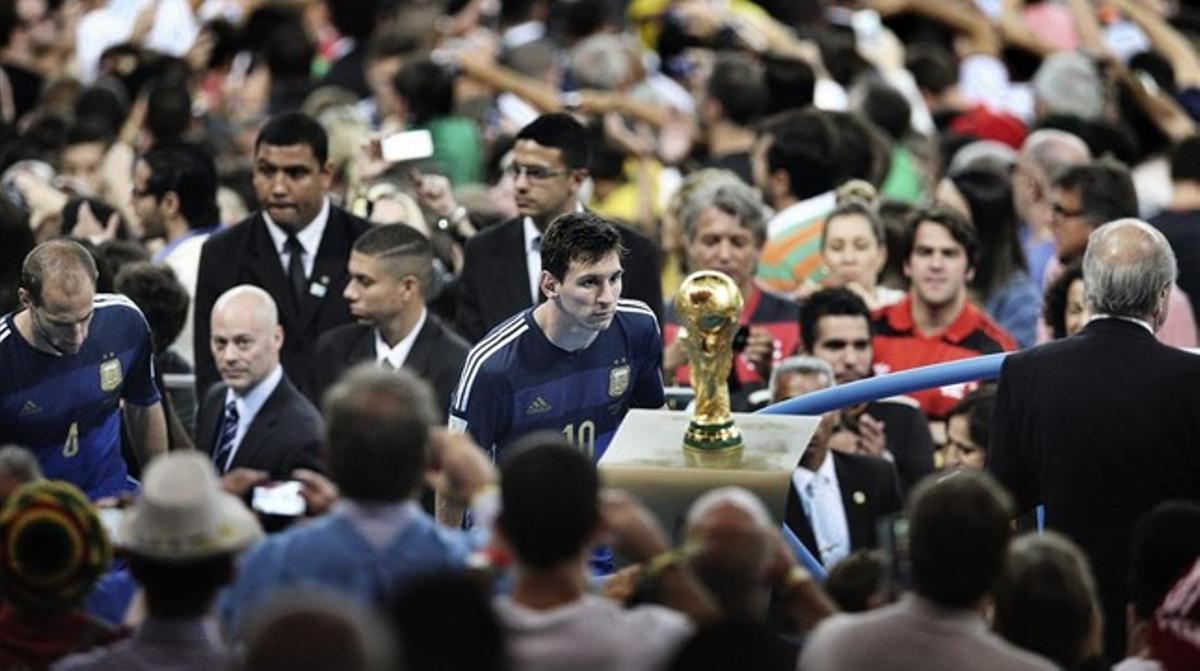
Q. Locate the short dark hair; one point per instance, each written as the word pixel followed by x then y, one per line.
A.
pixel 956 520
pixel 977 408
pixel 549 505
pixel 88 130
pixel 168 112
pixel 289 52
pixel 1046 598
pixel 956 224
pixel 1165 543
pixel 1185 160
pixel 562 132
pixel 856 578
pixel 427 89
pixel 884 106
pixel 864 149
pixel 188 170
pixel 1054 303
pixel 578 236
pixel 291 128
pixel 61 258
pixel 377 432
pixel 805 144
pixel 932 66
pixel 1105 188
pixel 160 296
pixel 790 85
pixel 739 84
pixel 833 302
pixel 402 248
pixel 181 588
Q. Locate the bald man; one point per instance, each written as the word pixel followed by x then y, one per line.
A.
pixel 1043 155
pixel 76 371
pixel 254 422
pixel 1102 426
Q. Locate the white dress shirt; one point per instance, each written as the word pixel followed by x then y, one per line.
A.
pixel 248 406
pixel 309 237
pixel 821 497
pixel 396 356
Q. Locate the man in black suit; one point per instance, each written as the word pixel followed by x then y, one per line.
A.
pixel 295 248
pixel 502 265
pixel 1100 427
pixel 837 499
pixel 390 271
pixel 255 418
pixel 835 326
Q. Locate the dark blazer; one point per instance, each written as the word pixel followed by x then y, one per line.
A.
pixel 437 356
pixel 494 284
pixel 908 439
pixel 1099 428
pixel 245 254
pixel 870 491
pixel 286 434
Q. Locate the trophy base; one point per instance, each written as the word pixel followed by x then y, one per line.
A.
pixel 713 445
pixel 724 457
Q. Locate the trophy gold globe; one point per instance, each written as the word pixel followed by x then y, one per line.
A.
pixel 709 306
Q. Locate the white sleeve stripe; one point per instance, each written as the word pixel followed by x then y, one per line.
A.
pixel 504 329
pixel 468 379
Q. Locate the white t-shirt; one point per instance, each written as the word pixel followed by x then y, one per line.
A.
pixel 591 634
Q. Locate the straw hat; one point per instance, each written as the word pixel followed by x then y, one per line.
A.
pixel 184 514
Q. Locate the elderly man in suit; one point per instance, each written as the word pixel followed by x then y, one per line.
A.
pixel 836 499
pixel 1102 426
pixel 502 264
pixel 295 248
pixel 390 270
pixel 255 418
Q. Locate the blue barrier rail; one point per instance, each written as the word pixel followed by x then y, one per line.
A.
pixel 985 367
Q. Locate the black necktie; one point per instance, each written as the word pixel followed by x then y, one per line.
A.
pixel 295 266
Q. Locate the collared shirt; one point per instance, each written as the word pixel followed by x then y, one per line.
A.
pixel 249 405
pixel 309 237
pixel 1133 320
pixel 379 523
pixel 821 497
pixel 171 246
pixel 533 259
pixel 396 356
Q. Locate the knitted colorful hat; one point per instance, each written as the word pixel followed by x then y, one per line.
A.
pixel 52 547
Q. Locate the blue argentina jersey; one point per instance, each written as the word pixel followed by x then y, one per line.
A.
pixel 67 408
pixel 515 382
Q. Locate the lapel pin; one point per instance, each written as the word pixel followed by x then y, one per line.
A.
pixel 860 498
pixel 317 289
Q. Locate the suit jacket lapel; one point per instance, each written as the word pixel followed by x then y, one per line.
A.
pixel 328 269
pixel 267 268
pixel 854 502
pixel 208 425
pixel 797 521
pixel 257 436
pixel 362 348
pixel 516 296
pixel 421 355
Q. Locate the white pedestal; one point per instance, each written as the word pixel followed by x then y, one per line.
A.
pixel 646 458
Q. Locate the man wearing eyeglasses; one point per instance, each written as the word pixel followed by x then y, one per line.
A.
pixel 502 264
pixel 1083 198
pixel 72 364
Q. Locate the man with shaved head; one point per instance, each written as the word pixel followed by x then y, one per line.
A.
pixel 1102 426
pixel 254 419
pixel 76 369
pixel 1043 155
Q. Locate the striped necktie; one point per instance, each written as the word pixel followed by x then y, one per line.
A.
pixel 229 428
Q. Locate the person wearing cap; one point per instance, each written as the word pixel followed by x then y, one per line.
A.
pixel 54 551
pixel 181 539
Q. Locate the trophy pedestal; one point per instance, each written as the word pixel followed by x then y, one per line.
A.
pixel 647 457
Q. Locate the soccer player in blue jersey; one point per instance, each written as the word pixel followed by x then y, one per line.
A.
pixel 575 363
pixel 70 361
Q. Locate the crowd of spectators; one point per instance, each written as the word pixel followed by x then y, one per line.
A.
pixel 318 316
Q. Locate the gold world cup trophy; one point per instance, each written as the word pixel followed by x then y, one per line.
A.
pixel 709 306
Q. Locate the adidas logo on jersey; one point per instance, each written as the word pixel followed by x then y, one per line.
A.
pixel 30 408
pixel 538 406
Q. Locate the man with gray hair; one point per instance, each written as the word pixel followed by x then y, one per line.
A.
pixel 724 229
pixel 1100 427
pixel 1043 155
